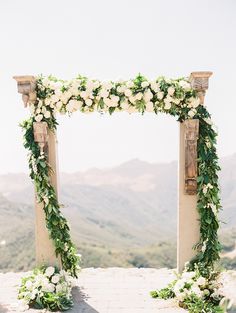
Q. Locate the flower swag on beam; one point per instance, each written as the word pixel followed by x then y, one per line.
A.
pixel 175 97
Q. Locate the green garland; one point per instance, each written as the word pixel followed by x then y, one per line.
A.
pixel 56 223
pixel 173 97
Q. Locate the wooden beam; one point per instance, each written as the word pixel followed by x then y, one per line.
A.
pixel 191 130
pixel 26 86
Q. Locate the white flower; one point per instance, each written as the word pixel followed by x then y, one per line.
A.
pixel 171 91
pixel 185 85
pixel 59 288
pixel 144 84
pixel 139 96
pixel 201 281
pixel 155 86
pixel 104 93
pixel 197 291
pixel 89 102
pixel 180 296
pixel 121 89
pixel 160 95
pixel 167 105
pixel 213 207
pixel 188 275
pixel 179 285
pixel 48 287
pixel 59 105
pixel 107 85
pixel 28 284
pixel 149 107
pixel 130 84
pixel 191 113
pixel 132 99
pixel 124 105
pixel 73 105
pixel 128 93
pixel 49 271
pixel 47 114
pixel 39 117
pixel 147 95
pixel 131 109
pixel 176 101
pixel 55 279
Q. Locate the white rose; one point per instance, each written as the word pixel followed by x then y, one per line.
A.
pixel 59 288
pixel 197 291
pixel 121 89
pixel 107 102
pixel 49 271
pixel 124 105
pixel 130 84
pixel 138 96
pixel 148 95
pixel 149 107
pixel 185 85
pixel 47 114
pixel 38 111
pixel 128 93
pixel 131 109
pixel 171 91
pixel 59 104
pixel 154 86
pixel 84 94
pixel 54 98
pixel 167 105
pixel 104 93
pixel 188 275
pixel 176 101
pixel 201 281
pixel 28 284
pixel 191 113
pixel 204 189
pixel 180 296
pixel 39 117
pixel 160 95
pixel 144 84
pixel 55 279
pixel 48 287
pixel 132 99
pixel 88 102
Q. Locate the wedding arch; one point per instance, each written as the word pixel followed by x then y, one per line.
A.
pixel 198 191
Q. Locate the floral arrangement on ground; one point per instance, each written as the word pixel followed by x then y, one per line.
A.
pixel 48 288
pixel 170 96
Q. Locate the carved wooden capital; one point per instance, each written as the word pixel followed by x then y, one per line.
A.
pixel 41 134
pixel 26 86
pixel 191 131
pixel 199 82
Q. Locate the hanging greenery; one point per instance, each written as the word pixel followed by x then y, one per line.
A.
pixel 170 96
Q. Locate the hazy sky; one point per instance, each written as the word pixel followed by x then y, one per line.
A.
pixel 110 40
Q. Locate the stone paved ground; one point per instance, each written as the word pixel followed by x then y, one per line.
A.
pixel 112 290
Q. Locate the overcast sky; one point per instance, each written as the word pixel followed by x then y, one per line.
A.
pixel 110 40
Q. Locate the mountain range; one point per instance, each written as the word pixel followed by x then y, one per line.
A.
pixel 120 216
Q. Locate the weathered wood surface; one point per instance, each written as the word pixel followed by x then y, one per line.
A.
pixel 41 134
pixel 200 82
pixel 191 130
pixel 26 86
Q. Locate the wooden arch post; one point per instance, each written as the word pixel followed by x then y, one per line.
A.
pixel 45 251
pixel 188 217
